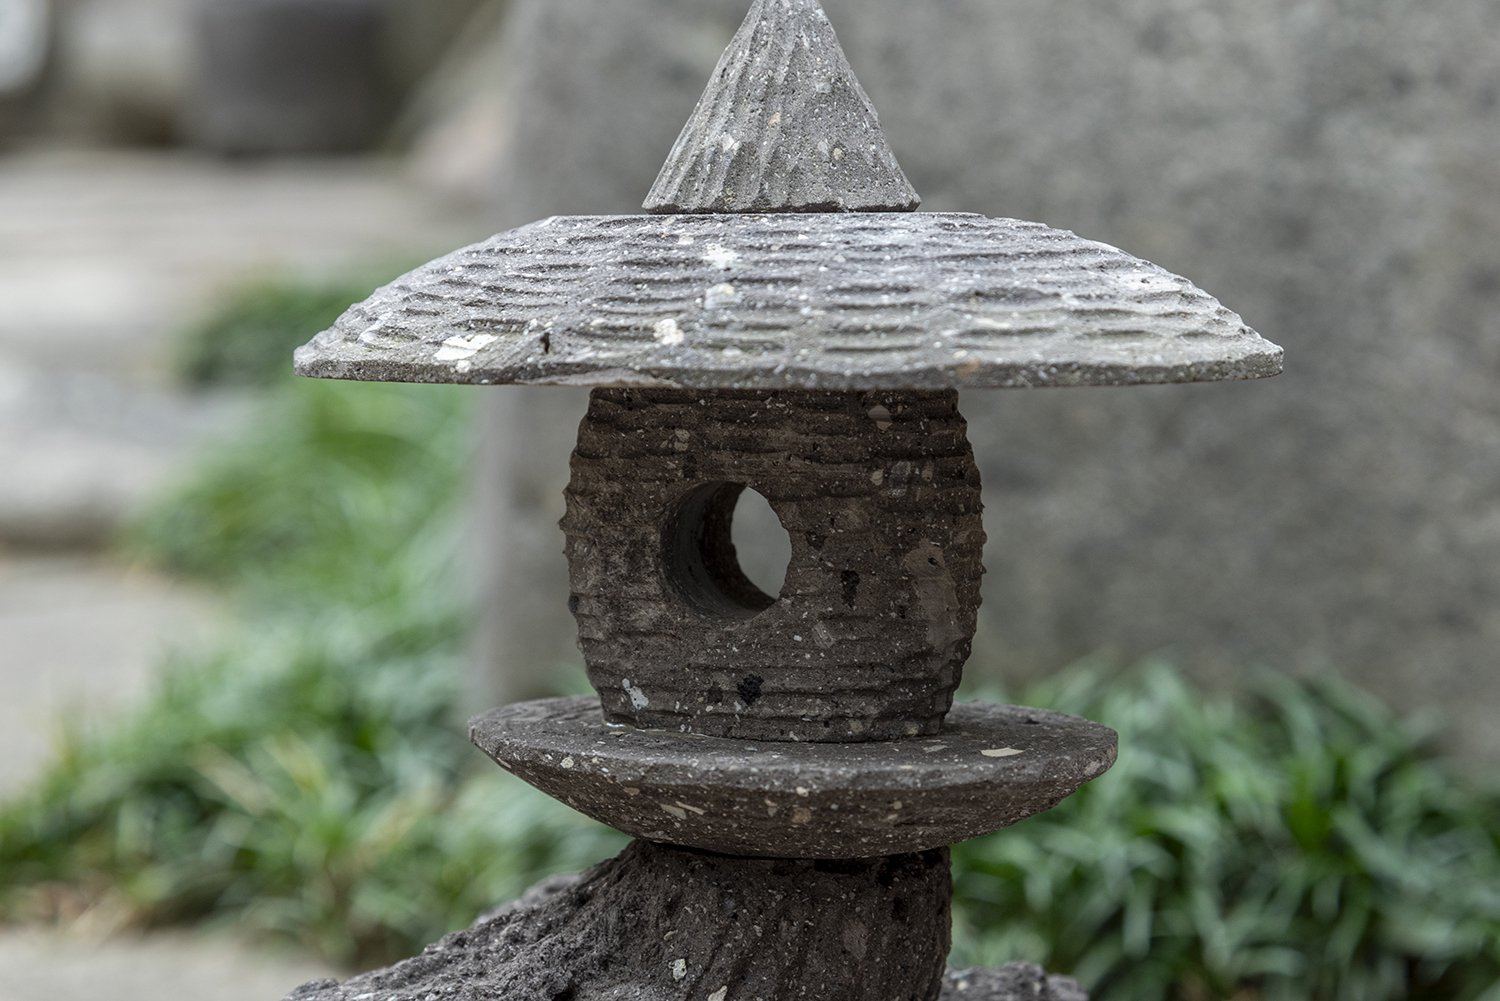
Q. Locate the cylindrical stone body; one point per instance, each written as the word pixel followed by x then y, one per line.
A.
pixel 880 496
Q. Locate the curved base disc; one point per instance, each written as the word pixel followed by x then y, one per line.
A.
pixel 991 766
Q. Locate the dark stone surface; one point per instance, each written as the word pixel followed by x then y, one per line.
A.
pixel 867 639
pixel 1327 171
pixel 898 300
pixel 784 126
pixel 990 767
pixel 289 76
pixel 665 924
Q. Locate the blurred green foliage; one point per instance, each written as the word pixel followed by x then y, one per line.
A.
pixel 1299 843
pixel 311 779
pixel 249 340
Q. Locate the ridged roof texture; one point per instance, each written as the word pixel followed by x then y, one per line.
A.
pixel 914 300
pixel 739 283
pixel 783 126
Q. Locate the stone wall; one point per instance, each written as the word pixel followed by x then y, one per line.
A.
pixel 1329 170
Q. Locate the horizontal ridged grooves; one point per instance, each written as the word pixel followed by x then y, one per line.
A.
pixel 783 127
pixel 880 496
pixel 812 301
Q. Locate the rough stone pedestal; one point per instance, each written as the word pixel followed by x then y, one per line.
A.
pixel 662 924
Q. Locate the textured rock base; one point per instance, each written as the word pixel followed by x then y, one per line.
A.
pixel 670 924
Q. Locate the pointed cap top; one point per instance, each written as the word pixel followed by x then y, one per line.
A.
pixel 784 126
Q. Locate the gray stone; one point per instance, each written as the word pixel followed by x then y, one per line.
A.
pixel 992 766
pixel 866 638
pixel 1322 170
pixel 784 126
pixel 790 301
pixel 1016 982
pixel 666 924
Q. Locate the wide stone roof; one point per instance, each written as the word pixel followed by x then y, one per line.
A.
pixel 829 301
pixel 782 254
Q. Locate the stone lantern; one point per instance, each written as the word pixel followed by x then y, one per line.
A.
pixel 782 321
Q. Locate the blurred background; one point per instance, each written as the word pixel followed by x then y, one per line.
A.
pixel 243 618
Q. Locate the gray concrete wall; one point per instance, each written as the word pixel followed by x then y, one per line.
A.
pixel 1330 170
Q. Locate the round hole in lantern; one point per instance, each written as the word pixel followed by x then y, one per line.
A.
pixel 702 544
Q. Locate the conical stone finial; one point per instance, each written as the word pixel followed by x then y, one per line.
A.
pixel 784 126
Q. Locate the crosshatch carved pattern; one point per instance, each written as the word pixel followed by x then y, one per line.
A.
pixel 813 301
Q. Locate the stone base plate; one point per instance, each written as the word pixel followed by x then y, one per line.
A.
pixel 992 766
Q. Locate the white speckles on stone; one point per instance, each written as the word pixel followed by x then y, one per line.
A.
pixel 720 994
pixel 568 762
pixel 667 332
pixel 679 969
pixel 721 257
pixel 637 697
pixel 799 802
pixel 720 296
pixel 1123 332
pixel 460 348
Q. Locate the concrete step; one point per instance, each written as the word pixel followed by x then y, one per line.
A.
pixel 45 965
